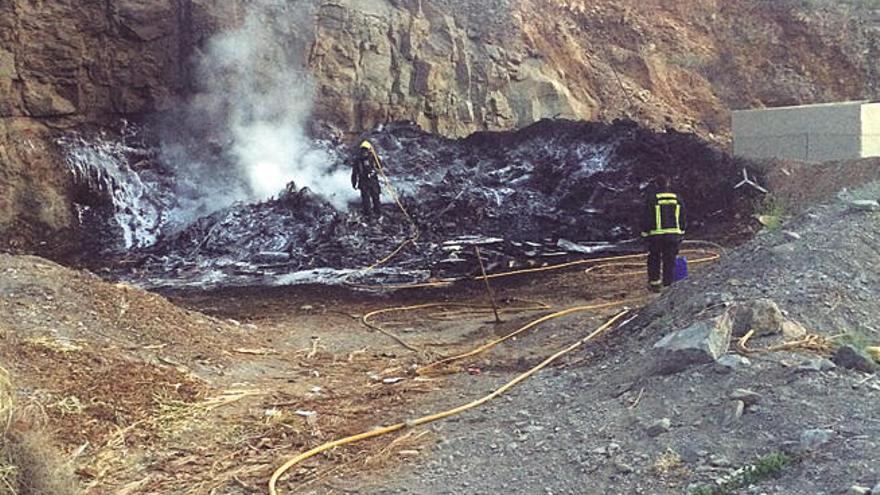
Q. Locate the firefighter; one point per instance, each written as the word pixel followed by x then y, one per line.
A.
pixel 365 176
pixel 663 227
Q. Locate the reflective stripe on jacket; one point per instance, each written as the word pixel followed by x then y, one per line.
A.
pixel 664 215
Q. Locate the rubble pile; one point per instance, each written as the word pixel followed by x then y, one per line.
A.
pixel 539 195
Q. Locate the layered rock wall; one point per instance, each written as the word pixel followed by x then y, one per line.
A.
pixel 452 66
pixel 71 63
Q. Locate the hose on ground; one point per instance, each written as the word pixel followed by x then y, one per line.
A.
pixel 366 319
pixel 492 276
pixel 596 269
pixel 273 481
pixel 485 347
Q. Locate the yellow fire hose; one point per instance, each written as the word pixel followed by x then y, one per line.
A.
pixel 366 319
pixel 441 415
pixel 485 347
pixel 605 260
pixel 595 270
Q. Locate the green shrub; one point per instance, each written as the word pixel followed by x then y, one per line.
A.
pixel 770 211
pixel 765 467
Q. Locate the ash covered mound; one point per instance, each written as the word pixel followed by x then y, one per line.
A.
pixel 523 196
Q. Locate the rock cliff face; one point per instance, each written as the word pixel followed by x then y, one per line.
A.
pixel 456 66
pixel 69 63
pixel 452 66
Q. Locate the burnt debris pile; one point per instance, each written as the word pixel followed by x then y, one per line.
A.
pixel 538 195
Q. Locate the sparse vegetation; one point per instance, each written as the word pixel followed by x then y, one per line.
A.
pixel 765 467
pixel 669 466
pixel 29 463
pixel 857 338
pixel 771 211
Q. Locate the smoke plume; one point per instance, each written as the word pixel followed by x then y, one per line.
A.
pixel 255 95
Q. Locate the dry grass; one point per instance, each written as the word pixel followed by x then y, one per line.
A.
pixel 29 463
pixel 669 466
pixel 39 468
pixel 55 345
pixel 173 414
pixel 8 471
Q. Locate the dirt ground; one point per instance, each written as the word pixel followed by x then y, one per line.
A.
pixel 152 398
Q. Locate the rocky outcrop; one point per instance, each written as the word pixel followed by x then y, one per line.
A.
pixel 452 67
pixel 69 63
pixel 455 67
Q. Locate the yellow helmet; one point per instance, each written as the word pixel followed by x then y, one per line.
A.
pixel 366 145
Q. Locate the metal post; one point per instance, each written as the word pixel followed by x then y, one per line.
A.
pixel 488 287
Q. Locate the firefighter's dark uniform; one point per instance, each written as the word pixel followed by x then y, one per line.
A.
pixel 663 227
pixel 364 176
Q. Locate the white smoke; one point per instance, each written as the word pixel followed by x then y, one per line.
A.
pixel 257 92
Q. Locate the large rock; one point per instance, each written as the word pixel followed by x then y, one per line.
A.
pixel 761 315
pixel 849 357
pixel 44 100
pixel 701 343
pixel 814 439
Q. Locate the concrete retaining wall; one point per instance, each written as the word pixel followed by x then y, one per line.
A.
pixel 833 131
pixel 871 130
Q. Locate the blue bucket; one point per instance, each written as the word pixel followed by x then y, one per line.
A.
pixel 681 268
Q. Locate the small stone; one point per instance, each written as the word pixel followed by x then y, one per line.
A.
pixel 864 205
pixel 813 439
pixel 688 454
pixel 729 363
pixel 732 412
pixel 793 330
pixel 794 236
pixel 849 357
pixel 815 365
pixel 784 249
pixel 748 397
pixel 623 467
pixel 858 490
pixel 719 461
pixel 659 427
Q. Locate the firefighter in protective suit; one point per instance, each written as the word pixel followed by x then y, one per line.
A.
pixel 663 227
pixel 365 176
